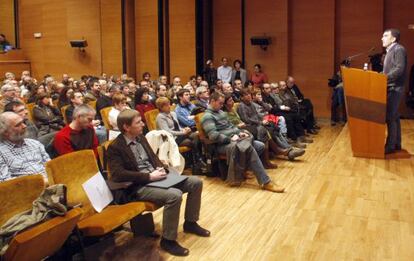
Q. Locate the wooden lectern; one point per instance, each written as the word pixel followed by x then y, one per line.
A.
pixel 366 97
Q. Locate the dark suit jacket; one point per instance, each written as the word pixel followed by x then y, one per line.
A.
pixel 123 165
pixel 298 93
pixel 395 66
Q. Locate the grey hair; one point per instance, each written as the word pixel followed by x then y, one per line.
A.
pixel 200 90
pixel 5 122
pixel 5 87
pixel 82 110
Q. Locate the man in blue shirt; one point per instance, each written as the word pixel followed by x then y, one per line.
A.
pixel 184 108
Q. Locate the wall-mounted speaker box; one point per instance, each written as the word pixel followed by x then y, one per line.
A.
pixel 78 43
pixel 257 40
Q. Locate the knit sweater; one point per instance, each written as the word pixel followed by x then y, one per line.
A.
pixel 217 126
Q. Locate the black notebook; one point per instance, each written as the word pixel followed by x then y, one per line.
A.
pixel 173 178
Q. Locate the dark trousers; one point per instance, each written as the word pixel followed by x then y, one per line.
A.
pixel 171 200
pixel 293 124
pixel 338 111
pixel 393 121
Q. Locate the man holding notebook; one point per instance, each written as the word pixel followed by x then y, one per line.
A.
pixel 131 159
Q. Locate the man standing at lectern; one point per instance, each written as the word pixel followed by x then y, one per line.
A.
pixel 395 64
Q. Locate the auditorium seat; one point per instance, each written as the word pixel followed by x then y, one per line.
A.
pixel 105 117
pixel 73 169
pixel 39 241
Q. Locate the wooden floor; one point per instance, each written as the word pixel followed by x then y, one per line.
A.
pixel 336 207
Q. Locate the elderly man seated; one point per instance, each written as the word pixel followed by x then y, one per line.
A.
pixel 219 130
pixel 8 94
pixel 19 156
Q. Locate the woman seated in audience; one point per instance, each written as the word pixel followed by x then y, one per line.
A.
pixel 64 97
pixel 46 116
pixel 119 102
pixel 231 112
pixel 167 120
pixel 142 102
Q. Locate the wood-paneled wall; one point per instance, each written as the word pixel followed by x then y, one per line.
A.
pixel 311 58
pixel 99 22
pixel 146 37
pixel 7 20
pixel 111 37
pixel 182 39
pixel 268 18
pixel 227 30
pixel 359 27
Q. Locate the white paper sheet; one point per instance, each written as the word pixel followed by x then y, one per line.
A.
pixel 98 192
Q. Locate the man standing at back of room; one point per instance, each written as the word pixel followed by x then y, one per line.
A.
pixel 395 67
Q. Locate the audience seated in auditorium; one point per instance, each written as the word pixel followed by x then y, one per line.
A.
pixel 276 127
pixel 131 159
pixel 226 136
pixel 263 129
pixel 295 129
pixel 224 71
pixel 238 73
pixel 184 108
pixel 19 156
pixel 46 116
pixel 79 134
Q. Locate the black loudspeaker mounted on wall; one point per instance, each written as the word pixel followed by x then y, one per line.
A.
pixel 81 44
pixel 262 41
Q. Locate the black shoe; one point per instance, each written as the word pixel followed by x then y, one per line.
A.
pixel 194 228
pixel 172 247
